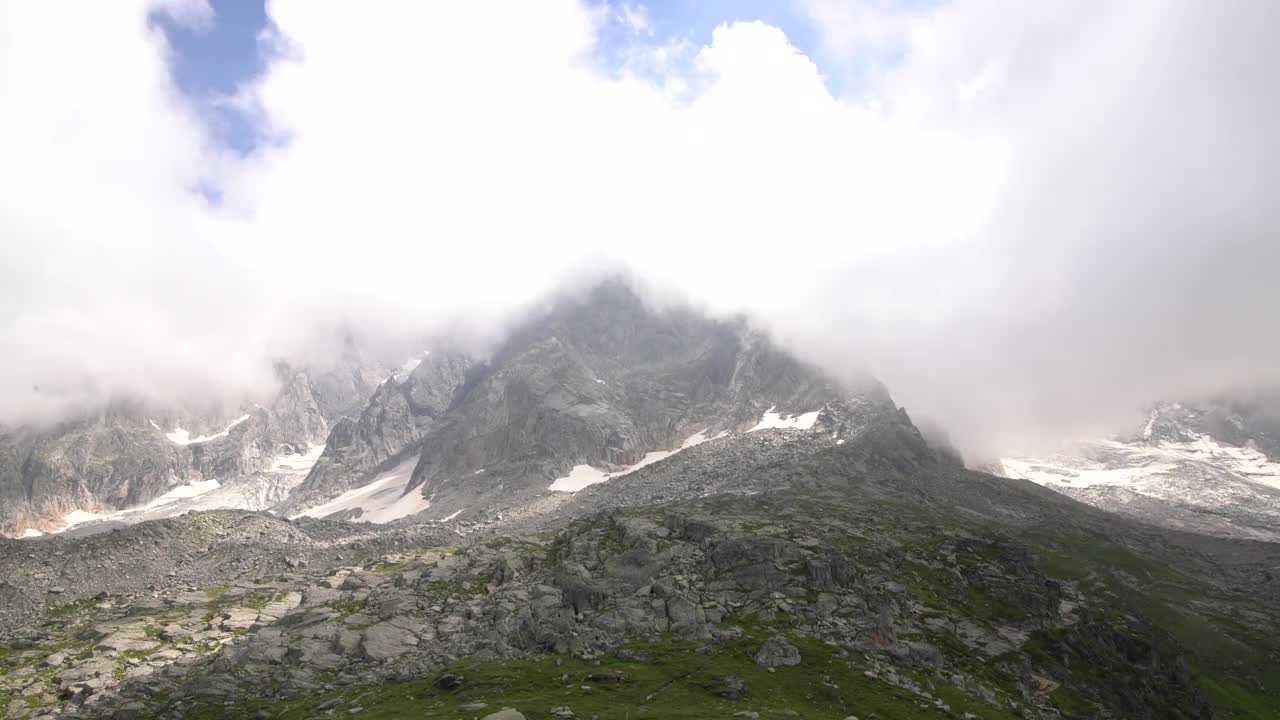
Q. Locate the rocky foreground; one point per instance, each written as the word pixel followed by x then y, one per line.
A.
pixel 866 579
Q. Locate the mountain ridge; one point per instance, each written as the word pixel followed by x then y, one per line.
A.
pixel 755 540
pixel 130 454
pixel 598 380
pixel 1174 471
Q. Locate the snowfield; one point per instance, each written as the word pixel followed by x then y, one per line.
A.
pixel 1201 486
pixel 382 500
pixel 1130 464
pixel 256 492
pixel 773 420
pixel 182 437
pixel 582 476
pixel 579 477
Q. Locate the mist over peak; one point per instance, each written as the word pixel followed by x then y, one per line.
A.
pixel 1030 223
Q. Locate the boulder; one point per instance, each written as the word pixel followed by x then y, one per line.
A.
pixel 777 651
pixel 239 618
pixel 505 714
pixel 451 682
pixel 385 641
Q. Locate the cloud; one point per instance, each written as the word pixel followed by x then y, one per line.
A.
pixel 1031 221
pixel 862 30
pixel 107 279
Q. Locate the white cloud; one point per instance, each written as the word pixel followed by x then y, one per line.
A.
pixel 107 278
pixel 636 18
pixel 193 14
pixel 865 30
pixel 1008 227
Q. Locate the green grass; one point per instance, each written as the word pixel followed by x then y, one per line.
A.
pixel 1070 701
pixel 349 607
pixel 936 588
pixel 1237 666
pixel 71 608
pixel 677 682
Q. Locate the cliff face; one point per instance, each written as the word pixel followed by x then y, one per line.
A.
pixel 110 460
pixel 390 427
pixel 128 454
pixel 597 381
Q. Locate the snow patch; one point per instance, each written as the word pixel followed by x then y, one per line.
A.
pixel 183 437
pixel 579 477
pixel 1223 487
pixel 181 492
pixel 451 515
pixel 297 462
pixel 653 457
pixel 1080 476
pixel 1130 464
pixel 382 500
pixel 773 420
pixel 190 490
pixel 79 517
pixel 255 492
pixel 408 366
pixel 30 533
pixel 583 475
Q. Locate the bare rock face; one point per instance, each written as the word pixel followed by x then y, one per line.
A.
pixel 1248 419
pixel 848 559
pixel 599 380
pixel 393 423
pixel 120 457
pixel 108 460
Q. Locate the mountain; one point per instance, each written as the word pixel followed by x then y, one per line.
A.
pixel 631 512
pixel 129 461
pixel 1211 468
pixel 842 570
pixel 584 390
pixel 387 430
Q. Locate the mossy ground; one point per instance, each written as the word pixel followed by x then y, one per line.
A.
pixel 675 682
pixel 1236 663
pixel 1232 657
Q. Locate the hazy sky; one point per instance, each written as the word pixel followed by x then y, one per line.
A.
pixel 1028 219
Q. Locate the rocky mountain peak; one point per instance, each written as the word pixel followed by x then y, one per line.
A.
pixel 599 380
pixel 1244 420
pixel 688 518
pixel 107 463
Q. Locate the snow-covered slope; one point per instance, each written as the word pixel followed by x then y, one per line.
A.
pixel 259 491
pixel 384 499
pixel 181 436
pixel 584 475
pixel 1167 478
pixel 392 494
